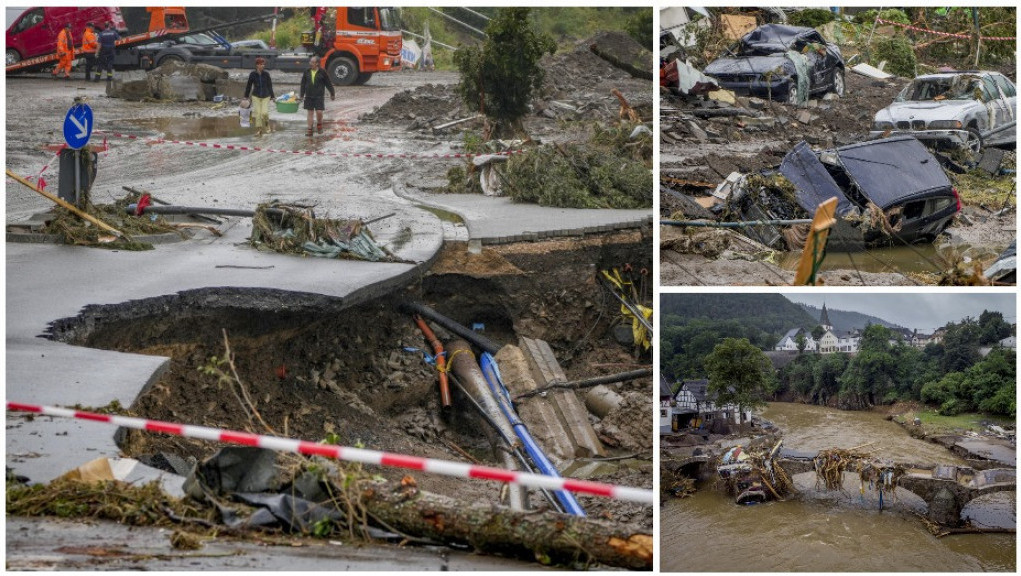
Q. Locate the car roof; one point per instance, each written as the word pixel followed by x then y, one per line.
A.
pixel 891 170
pixel 775 34
pixel 957 73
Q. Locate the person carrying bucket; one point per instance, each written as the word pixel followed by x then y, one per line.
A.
pixel 260 87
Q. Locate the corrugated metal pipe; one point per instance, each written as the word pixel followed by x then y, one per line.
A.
pixel 466 368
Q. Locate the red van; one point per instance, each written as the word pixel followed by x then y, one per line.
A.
pixel 34 32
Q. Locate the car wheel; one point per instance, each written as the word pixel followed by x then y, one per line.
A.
pixel 974 142
pixel 363 78
pixel 792 92
pixel 12 56
pixel 838 82
pixel 343 71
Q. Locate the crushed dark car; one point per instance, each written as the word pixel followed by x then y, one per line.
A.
pixel 778 62
pixel 890 191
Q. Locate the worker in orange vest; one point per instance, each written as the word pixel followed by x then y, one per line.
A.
pixel 65 52
pixel 90 45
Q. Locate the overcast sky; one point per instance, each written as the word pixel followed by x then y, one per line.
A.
pixel 922 311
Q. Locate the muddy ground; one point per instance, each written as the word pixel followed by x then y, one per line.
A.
pixel 693 161
pixel 347 372
pixel 312 373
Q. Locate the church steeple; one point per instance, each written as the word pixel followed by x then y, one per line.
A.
pixel 824 319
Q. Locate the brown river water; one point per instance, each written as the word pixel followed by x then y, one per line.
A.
pixel 821 531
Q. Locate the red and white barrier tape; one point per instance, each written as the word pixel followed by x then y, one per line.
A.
pixel 948 34
pixel 304 152
pixel 443 467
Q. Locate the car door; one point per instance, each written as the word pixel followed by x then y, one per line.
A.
pixel 31 36
pixel 1005 130
pixel 819 61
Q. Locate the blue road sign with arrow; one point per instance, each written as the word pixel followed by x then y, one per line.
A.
pixel 78 126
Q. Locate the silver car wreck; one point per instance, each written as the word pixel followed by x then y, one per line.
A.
pixel 970 109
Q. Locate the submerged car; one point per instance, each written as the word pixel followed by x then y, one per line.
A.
pixel 889 191
pixel 970 109
pixel 787 63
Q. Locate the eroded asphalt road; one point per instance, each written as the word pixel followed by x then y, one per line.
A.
pixel 46 282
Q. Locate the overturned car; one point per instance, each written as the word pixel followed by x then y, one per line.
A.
pixel 787 63
pixel 890 191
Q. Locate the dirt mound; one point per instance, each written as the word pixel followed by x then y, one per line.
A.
pixel 581 75
pixel 579 79
pixel 428 103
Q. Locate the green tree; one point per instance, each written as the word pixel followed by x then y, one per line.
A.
pixel 801 341
pixel 869 376
pixel 818 332
pixel 739 373
pixel 993 327
pixel 960 345
pixel 500 77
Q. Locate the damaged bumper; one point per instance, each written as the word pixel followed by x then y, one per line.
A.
pixel 945 137
pixel 758 87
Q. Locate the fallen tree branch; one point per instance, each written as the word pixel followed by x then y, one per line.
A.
pixel 548 537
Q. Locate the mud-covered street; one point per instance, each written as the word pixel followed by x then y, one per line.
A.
pixel 325 349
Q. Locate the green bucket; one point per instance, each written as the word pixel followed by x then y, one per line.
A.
pixel 287 107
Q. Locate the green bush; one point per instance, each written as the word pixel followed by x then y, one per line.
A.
pixel 811 17
pixel 639 27
pixel 892 14
pixel 289 29
pixel 898 54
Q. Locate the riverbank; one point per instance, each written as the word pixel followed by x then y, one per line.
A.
pixel 823 530
pixel 982 440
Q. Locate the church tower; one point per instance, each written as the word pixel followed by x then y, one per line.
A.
pixel 824 319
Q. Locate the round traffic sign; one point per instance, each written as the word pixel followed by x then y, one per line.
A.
pixel 78 126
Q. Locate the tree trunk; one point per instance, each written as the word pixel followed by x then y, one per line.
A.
pixel 549 538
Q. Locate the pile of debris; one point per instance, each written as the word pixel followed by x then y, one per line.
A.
pixel 830 466
pixel 748 475
pixel 173 81
pixel 611 170
pixel 296 230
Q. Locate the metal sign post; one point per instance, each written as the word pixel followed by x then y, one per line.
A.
pixel 77 130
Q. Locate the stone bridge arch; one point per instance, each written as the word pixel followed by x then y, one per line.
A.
pixel 945 497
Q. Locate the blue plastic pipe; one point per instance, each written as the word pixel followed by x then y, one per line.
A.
pixel 492 374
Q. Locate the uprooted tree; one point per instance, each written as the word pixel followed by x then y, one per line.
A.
pixel 499 78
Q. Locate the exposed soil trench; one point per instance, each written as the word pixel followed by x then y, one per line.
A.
pixel 314 367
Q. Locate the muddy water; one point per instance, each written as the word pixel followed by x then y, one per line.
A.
pixel 916 258
pixel 832 531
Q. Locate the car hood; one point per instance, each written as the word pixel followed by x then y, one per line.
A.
pixel 750 65
pixel 814 184
pixel 946 110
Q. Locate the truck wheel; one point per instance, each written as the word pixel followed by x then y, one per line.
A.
pixel 363 78
pixel 343 71
pixel 12 56
pixel 974 142
pixel 170 58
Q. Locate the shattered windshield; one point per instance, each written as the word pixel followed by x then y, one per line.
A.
pixel 942 88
